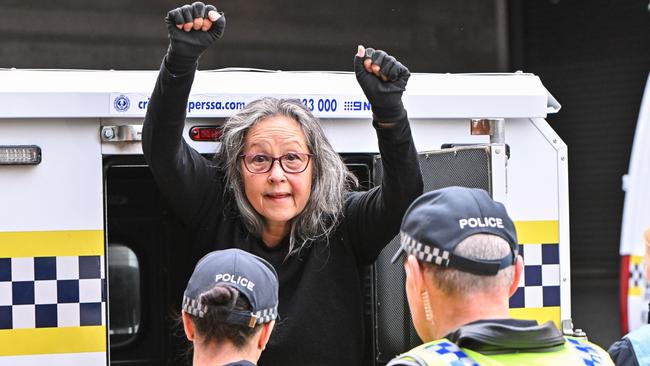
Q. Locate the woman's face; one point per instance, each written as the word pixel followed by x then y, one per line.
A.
pixel 276 195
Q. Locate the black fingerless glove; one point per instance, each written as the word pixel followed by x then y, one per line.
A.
pixel 186 47
pixel 385 97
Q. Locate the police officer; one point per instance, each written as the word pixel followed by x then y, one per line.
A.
pixel 461 262
pixel 229 308
pixel 634 348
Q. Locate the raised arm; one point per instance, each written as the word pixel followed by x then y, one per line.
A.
pixel 373 217
pixel 182 174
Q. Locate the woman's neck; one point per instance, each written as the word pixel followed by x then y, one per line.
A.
pixel 221 354
pixel 274 232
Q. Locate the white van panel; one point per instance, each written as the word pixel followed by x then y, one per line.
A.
pixel 63 192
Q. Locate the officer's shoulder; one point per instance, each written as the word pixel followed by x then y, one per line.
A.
pixel 426 354
pixel 588 350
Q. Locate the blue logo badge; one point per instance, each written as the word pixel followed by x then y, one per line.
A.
pixel 121 103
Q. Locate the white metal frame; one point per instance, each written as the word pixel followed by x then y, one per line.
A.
pixel 563 209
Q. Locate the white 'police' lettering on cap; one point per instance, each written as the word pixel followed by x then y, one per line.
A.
pixel 474 222
pixel 236 279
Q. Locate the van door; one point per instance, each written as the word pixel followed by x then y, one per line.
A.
pixel 52 272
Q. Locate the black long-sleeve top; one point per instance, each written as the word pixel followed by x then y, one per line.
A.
pixel 321 300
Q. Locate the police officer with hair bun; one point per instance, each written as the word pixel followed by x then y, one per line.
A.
pixel 276 188
pixel 460 254
pixel 229 308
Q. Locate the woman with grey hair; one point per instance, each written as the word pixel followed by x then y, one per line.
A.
pixel 323 203
pixel 276 188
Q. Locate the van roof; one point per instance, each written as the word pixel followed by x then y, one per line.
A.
pixel 90 93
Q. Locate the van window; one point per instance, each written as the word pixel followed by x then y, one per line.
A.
pixel 124 292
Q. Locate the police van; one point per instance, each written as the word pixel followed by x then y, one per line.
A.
pixel 88 247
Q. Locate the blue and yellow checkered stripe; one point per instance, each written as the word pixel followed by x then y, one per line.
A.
pixel 538 294
pixel 637 281
pixel 52 292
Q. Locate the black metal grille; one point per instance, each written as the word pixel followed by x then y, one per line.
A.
pixel 394 332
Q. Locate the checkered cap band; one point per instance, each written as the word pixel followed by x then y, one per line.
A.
pixel 266 315
pixel 193 307
pixel 424 252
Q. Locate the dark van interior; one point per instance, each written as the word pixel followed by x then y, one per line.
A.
pixel 148 269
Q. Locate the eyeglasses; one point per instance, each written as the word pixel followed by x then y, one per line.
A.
pixel 262 163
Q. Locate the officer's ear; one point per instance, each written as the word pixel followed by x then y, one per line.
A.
pixel 414 274
pixel 265 335
pixel 519 269
pixel 188 326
